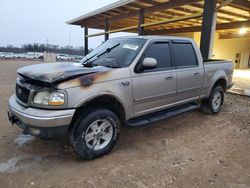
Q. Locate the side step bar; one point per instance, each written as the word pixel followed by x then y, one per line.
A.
pixel 154 117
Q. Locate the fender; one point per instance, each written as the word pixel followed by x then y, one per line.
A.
pixel 128 112
pixel 215 79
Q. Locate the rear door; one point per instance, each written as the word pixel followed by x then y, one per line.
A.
pixel 189 72
pixel 155 89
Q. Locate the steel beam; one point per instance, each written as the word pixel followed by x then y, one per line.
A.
pixel 106 36
pixel 176 19
pixel 241 4
pixel 140 22
pixel 224 3
pixel 86 42
pixel 221 26
pixel 233 36
pixel 208 28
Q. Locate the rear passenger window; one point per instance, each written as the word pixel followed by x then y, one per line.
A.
pixel 184 55
pixel 161 52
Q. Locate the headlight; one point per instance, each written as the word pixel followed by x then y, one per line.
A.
pixel 55 98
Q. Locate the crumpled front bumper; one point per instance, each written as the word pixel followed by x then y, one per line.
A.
pixel 40 122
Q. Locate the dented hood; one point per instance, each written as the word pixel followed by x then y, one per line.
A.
pixel 57 72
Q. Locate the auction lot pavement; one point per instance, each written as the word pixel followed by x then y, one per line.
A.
pixel 191 150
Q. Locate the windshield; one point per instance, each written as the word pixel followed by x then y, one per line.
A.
pixel 115 53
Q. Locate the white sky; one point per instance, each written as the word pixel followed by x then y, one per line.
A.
pixel 35 21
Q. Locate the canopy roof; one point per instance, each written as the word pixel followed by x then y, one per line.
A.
pixel 164 16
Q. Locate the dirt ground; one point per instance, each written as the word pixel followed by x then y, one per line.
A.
pixel 191 150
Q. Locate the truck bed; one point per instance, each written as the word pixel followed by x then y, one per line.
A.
pixel 214 67
pixel 215 61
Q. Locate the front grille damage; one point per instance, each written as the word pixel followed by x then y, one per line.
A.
pixel 22 93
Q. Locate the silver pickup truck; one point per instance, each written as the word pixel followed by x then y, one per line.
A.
pixel 130 81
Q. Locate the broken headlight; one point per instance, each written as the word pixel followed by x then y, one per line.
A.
pixel 54 98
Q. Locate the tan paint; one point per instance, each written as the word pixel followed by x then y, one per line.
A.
pixel 85 81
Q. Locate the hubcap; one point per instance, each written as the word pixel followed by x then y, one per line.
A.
pixel 99 134
pixel 216 101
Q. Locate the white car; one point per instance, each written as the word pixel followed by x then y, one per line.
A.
pixel 28 56
pixel 9 55
pixel 63 57
pixel 2 55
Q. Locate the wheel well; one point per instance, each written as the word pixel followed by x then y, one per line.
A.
pixel 106 101
pixel 221 82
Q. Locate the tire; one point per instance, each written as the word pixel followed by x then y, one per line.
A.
pixel 94 133
pixel 214 103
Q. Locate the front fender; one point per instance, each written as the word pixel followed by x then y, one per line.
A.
pixel 83 99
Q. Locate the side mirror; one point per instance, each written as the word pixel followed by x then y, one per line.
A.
pixel 149 63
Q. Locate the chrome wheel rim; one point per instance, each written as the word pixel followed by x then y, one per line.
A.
pixel 98 134
pixel 216 101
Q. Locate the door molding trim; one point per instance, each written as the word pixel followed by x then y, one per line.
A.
pixel 155 97
pixel 189 90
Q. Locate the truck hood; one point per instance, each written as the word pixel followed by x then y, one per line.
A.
pixel 51 73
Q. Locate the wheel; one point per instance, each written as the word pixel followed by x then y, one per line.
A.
pixel 94 133
pixel 214 103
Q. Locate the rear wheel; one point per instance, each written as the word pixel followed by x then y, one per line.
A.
pixel 94 133
pixel 214 103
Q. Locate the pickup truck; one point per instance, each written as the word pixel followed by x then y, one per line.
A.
pixel 129 81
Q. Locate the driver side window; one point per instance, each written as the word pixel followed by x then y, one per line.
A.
pixel 161 52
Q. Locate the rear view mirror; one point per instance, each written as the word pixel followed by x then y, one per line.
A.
pixel 149 63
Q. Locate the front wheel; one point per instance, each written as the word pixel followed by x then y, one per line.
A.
pixel 94 133
pixel 214 103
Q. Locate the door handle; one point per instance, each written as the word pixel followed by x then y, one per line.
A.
pixel 196 74
pixel 169 78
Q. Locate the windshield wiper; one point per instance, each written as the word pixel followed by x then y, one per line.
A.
pixel 88 63
pixel 107 50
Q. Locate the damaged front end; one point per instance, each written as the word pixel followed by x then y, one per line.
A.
pixel 40 104
pixel 39 94
pixel 55 73
pixel 38 85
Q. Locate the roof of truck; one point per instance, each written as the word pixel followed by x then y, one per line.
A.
pixel 147 37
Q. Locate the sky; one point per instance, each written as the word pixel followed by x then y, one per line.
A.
pixel 36 21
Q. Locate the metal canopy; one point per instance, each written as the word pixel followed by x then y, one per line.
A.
pixel 124 15
pixel 151 17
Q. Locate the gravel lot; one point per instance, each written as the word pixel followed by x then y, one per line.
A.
pixel 191 150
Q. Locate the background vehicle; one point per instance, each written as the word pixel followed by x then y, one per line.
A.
pixel 61 57
pixel 127 81
pixel 9 55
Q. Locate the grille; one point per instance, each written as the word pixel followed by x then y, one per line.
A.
pixel 22 93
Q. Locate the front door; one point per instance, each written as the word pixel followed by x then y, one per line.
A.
pixel 155 89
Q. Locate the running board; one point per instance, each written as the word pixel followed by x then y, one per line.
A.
pixel 154 117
